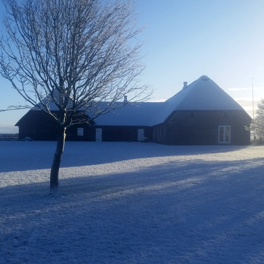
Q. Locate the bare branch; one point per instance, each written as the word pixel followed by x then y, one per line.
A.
pixel 15 107
pixel 71 58
pixel 72 54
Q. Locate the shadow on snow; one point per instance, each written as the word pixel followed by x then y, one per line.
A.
pixel 24 155
pixel 200 212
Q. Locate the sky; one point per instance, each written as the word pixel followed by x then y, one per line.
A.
pixel 183 40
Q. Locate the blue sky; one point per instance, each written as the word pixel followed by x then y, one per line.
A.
pixel 223 39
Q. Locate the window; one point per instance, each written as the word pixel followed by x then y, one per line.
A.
pixel 80 131
pixel 224 134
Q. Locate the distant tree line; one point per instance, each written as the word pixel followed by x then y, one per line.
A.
pixel 257 125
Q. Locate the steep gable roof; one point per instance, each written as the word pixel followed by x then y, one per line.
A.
pixel 202 94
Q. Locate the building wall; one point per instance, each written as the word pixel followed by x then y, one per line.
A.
pixel 180 128
pixel 38 125
pixel 201 128
pixel 123 133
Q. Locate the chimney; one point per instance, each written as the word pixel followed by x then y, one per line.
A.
pixel 125 99
pixel 184 85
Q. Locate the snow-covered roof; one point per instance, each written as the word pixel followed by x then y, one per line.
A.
pixel 133 114
pixel 50 104
pixel 202 94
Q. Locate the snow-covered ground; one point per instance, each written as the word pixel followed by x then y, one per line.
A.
pixel 132 203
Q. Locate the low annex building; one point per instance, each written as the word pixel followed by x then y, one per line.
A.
pixel 200 114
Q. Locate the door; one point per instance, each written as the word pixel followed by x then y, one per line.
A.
pixel 141 134
pixel 98 134
pixel 224 134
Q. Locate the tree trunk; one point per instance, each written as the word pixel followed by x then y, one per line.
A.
pixel 54 172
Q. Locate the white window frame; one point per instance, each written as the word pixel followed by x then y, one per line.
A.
pixel 224 136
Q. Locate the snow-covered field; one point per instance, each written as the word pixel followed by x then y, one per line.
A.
pixel 132 203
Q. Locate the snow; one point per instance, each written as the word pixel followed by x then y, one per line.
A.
pixel 132 203
pixel 205 94
pixel 202 94
pixel 133 114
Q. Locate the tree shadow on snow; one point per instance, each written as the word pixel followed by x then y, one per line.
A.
pixel 200 212
pixel 36 155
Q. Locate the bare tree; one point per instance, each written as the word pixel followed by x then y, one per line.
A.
pixel 73 55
